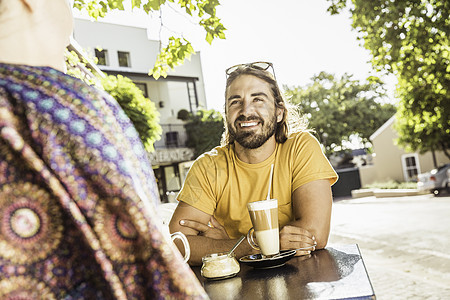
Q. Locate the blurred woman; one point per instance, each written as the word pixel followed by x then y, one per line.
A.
pixel 77 192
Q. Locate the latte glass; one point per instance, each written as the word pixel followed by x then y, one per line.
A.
pixel 264 235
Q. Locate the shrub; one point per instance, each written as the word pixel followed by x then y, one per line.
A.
pixel 141 111
pixel 204 130
pixel 391 184
pixel 183 115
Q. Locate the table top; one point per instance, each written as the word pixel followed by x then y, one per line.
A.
pixel 336 272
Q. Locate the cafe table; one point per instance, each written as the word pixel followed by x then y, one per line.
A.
pixel 336 272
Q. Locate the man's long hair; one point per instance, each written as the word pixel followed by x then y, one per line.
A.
pixel 291 121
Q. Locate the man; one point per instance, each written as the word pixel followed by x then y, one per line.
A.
pixel 212 210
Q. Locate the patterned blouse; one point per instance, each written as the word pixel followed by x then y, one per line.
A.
pixel 78 197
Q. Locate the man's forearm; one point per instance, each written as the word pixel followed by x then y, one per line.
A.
pixel 201 246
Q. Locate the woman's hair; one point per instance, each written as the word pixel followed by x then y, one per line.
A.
pixel 291 121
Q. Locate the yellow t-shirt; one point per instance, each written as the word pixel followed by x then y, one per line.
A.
pixel 221 185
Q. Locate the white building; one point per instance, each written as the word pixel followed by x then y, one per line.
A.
pixel 126 50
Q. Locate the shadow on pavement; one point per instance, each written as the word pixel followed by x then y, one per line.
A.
pixel 340 198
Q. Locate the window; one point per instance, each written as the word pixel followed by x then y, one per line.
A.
pixel 192 95
pixel 172 139
pixel 102 56
pixel 124 59
pixel 411 167
pixel 143 87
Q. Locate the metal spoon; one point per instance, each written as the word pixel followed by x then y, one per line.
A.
pixel 298 249
pixel 236 245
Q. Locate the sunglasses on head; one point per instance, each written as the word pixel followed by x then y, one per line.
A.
pixel 259 65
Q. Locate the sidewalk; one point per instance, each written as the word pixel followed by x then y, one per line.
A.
pixel 385 193
pixel 404 242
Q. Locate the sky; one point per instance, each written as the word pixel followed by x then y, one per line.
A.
pixel 299 37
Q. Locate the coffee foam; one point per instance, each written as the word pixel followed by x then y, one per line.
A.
pixel 264 204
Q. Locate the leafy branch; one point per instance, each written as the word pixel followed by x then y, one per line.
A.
pixel 177 49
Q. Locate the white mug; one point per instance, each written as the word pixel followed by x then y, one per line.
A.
pixel 166 210
pixel 187 250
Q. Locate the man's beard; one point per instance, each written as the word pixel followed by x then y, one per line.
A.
pixel 249 139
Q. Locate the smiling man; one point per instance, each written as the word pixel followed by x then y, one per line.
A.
pixel 212 211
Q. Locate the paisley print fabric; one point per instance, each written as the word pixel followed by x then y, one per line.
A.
pixel 78 197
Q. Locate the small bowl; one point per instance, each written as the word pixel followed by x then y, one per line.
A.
pixel 219 266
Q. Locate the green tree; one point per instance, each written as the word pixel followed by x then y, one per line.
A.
pixel 177 48
pixel 338 108
pixel 141 111
pixel 411 40
pixel 204 130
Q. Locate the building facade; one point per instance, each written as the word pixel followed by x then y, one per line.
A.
pixel 391 162
pixel 126 50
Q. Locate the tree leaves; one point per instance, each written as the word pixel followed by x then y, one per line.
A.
pixel 204 130
pixel 177 49
pixel 339 108
pixel 141 111
pixel 172 55
pixel 411 40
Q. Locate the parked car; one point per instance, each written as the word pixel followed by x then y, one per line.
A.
pixel 436 180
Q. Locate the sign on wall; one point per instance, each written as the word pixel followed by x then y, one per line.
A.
pixel 161 156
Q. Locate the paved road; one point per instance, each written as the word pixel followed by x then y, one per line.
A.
pixel 404 241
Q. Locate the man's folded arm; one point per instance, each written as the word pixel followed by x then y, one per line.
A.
pixel 203 239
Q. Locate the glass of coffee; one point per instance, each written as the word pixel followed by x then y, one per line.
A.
pixel 264 216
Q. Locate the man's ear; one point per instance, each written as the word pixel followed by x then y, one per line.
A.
pixel 280 113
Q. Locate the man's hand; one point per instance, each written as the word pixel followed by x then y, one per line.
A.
pixel 203 239
pixel 293 237
pixel 213 230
